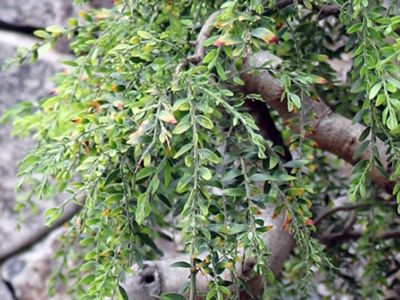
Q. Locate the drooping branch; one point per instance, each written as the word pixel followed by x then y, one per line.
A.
pixel 333 133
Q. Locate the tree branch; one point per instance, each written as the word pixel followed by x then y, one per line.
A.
pixel 268 130
pixel 199 50
pixel 336 209
pixel 355 235
pixel 332 132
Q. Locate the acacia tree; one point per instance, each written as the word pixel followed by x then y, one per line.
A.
pixel 211 122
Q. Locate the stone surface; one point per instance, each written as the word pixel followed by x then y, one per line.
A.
pixel 27 83
pixel 29 273
pixel 39 14
pixel 5 293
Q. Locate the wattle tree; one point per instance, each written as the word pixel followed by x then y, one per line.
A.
pixel 204 149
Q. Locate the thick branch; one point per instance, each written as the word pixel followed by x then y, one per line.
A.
pixel 333 132
pixel 268 130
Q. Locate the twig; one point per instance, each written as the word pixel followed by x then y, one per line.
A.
pixel 199 49
pixel 336 209
pixel 350 222
pixel 355 235
pixel 331 211
pixel 38 236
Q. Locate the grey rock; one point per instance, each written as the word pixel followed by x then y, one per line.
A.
pixel 5 293
pixel 39 14
pixel 28 83
pixel 145 283
pixel 29 273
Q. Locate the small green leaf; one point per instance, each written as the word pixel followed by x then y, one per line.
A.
pixel 297 163
pixel 294 192
pixel 145 172
pixel 144 34
pixel 296 100
pixel 375 89
pixel 183 150
pixel 85 16
pixel 87 279
pixel 123 293
pixel 50 102
pixel 209 155
pixel 181 104
pixel 224 290
pixel 41 33
pixel 234 192
pixel 357 118
pixel 116 211
pixel 262 177
pixel 205 122
pixel 361 149
pixel 88 266
pixel 394 82
pixel 354 28
pixel 210 56
pixel 180 264
pixel 172 296
pixel 54 29
pixel 182 127
pixel 72 22
pixel 50 211
pixel 183 183
pixel 380 99
pixel 238 81
pixel 205 173
pixel 143 208
pixel 87 241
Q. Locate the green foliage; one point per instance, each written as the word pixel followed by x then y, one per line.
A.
pixel 144 141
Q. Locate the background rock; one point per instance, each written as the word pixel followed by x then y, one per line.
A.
pixel 39 14
pixel 30 272
pixel 26 83
pixel 5 292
